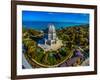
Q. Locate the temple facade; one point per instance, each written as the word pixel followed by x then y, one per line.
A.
pixel 51 41
pixel 52 38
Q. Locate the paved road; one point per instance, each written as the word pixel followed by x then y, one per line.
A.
pixel 25 62
pixel 69 62
pixel 86 62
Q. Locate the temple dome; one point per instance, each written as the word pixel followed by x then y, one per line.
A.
pixel 51 28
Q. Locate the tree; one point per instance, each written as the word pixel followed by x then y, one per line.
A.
pixel 63 51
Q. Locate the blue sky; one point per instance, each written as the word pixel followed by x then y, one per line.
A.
pixel 55 17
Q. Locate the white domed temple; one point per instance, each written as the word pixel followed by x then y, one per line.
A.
pixel 52 38
pixel 51 42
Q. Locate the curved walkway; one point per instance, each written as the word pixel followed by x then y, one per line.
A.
pixel 25 62
pixel 46 66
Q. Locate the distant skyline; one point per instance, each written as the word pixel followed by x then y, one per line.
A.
pixel 55 17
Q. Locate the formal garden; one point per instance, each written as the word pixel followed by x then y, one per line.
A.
pixel 73 38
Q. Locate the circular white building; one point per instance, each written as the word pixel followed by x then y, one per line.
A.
pixel 51 41
pixel 51 35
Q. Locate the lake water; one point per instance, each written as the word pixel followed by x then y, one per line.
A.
pixel 44 25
